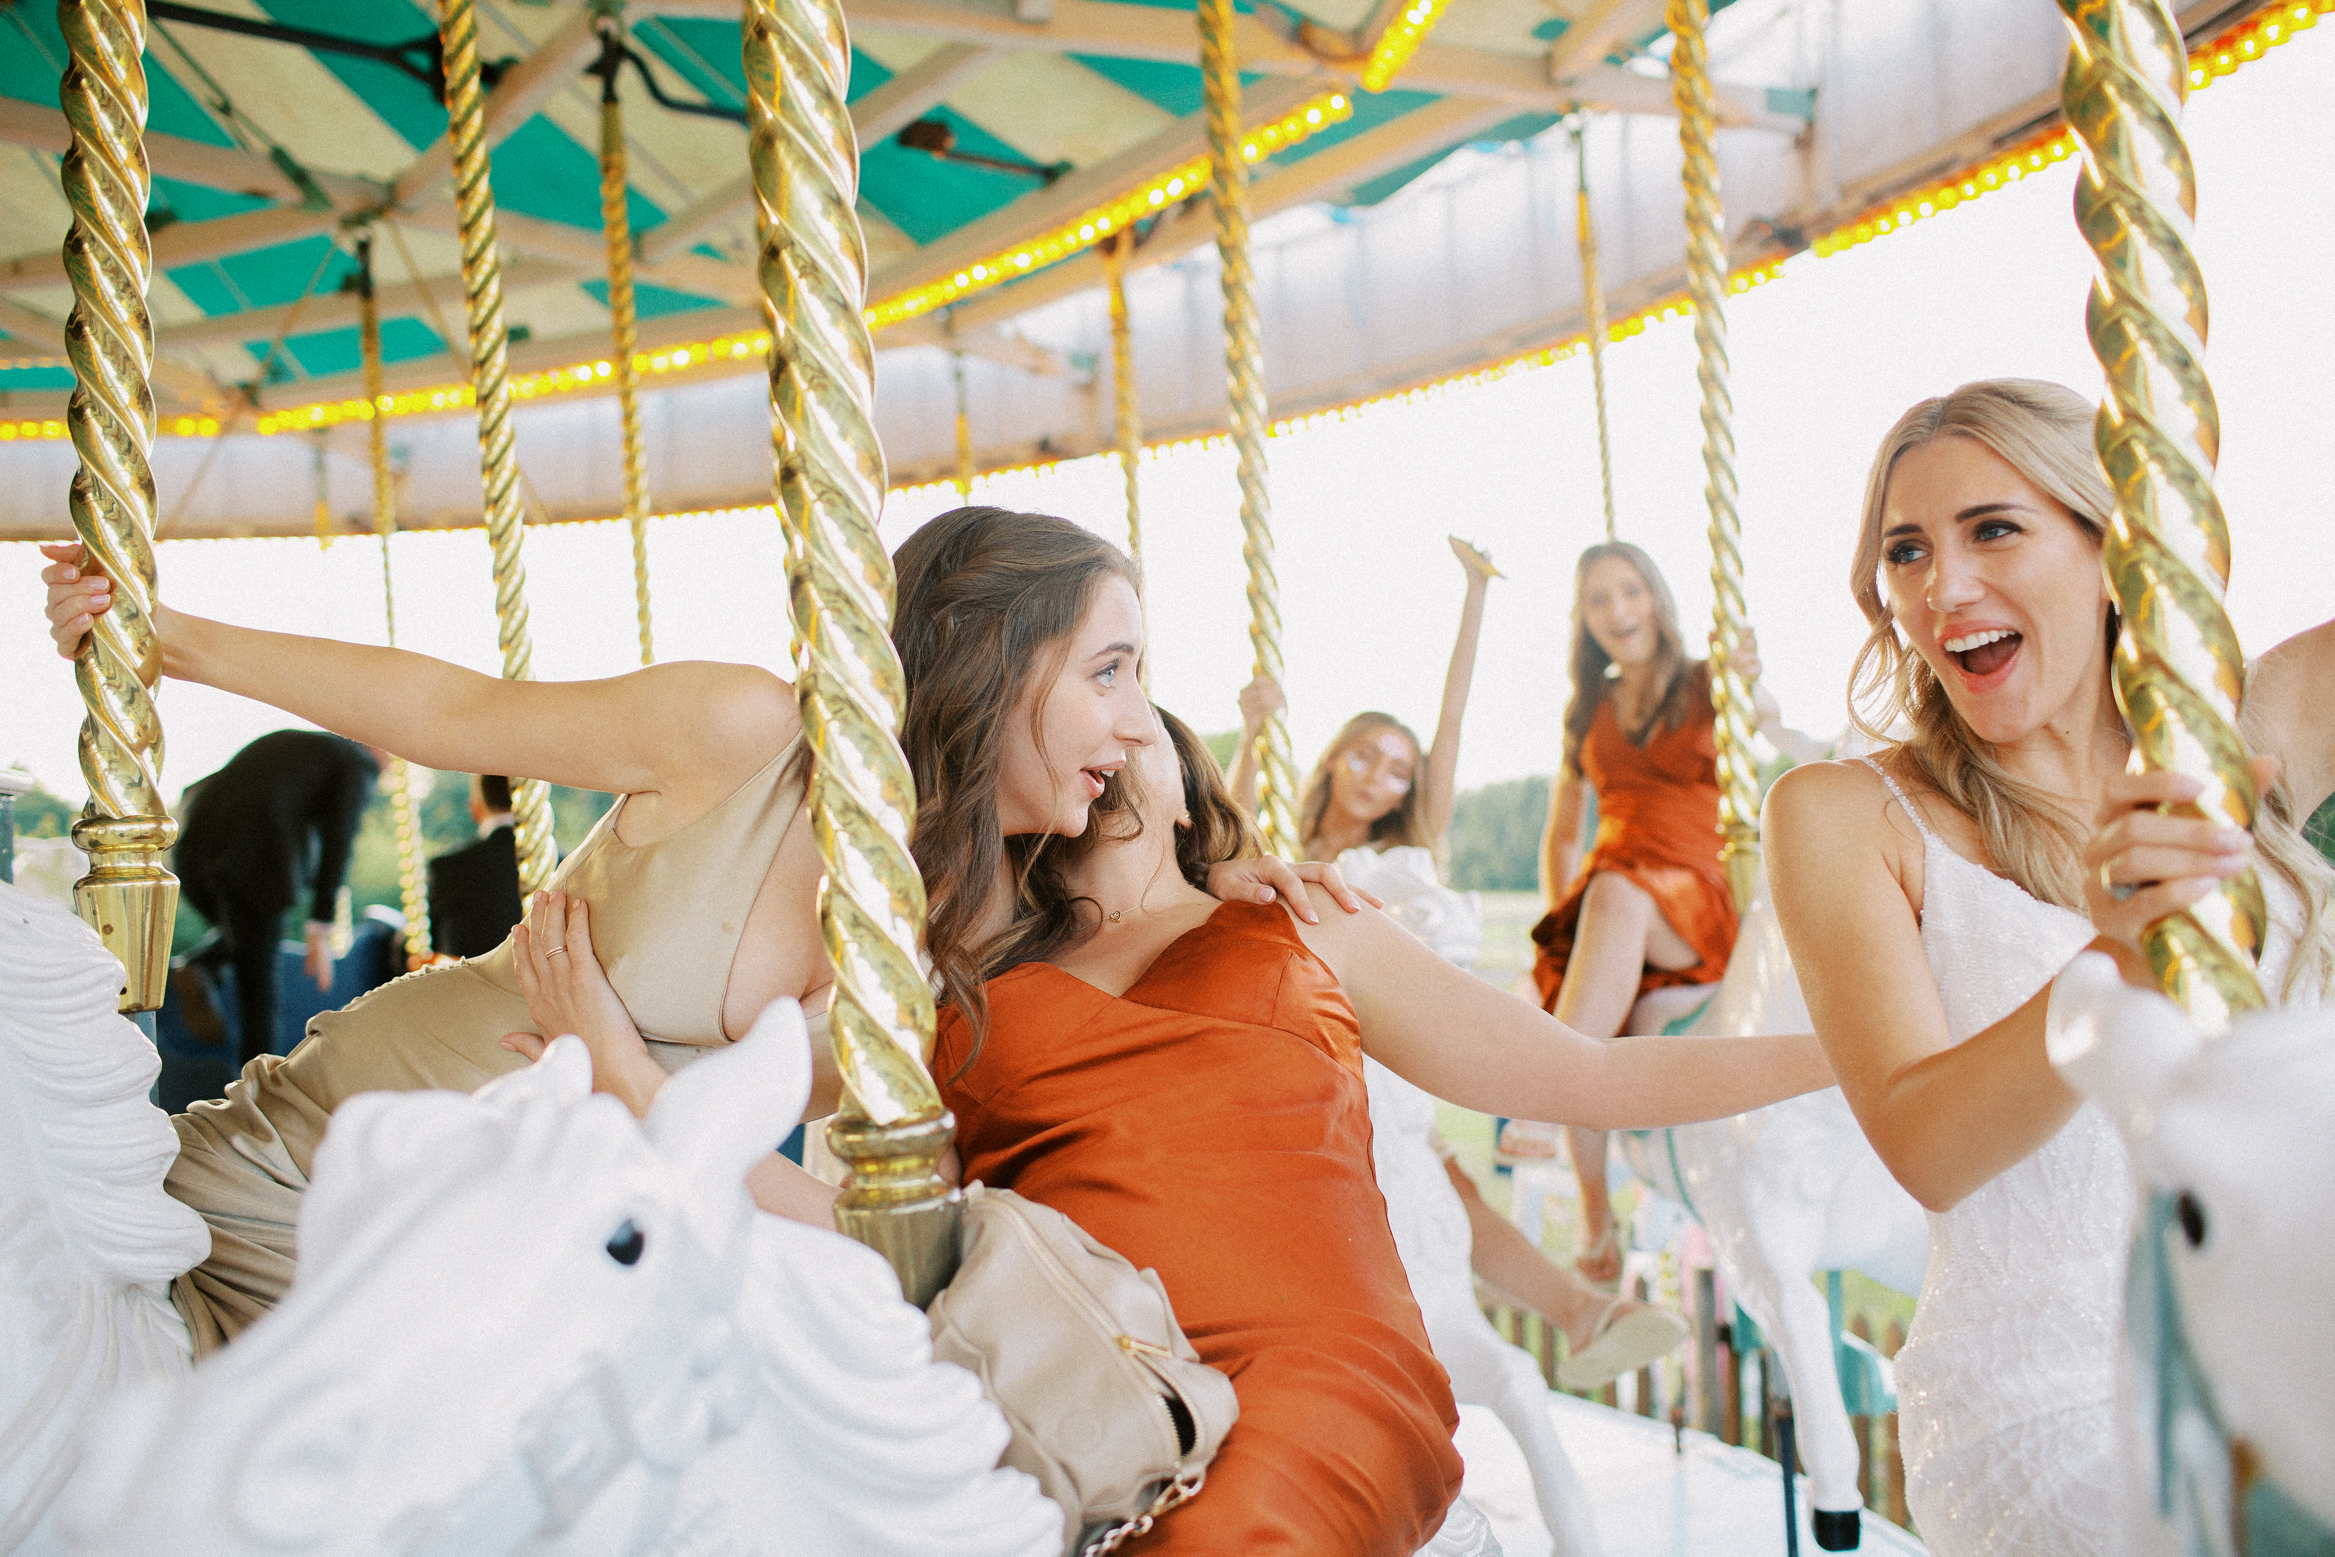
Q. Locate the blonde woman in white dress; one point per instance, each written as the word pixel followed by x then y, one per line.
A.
pixel 1929 895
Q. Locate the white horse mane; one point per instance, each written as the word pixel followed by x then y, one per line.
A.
pixel 93 1242
pixel 524 1321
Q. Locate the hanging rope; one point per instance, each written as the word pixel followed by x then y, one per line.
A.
pixel 411 896
pixel 129 897
pixel 812 264
pixel 1706 285
pixel 964 428
pixel 1127 426
pixel 1593 309
pixel 1244 361
pixel 623 318
pixel 482 287
pixel 2179 670
pixel 317 471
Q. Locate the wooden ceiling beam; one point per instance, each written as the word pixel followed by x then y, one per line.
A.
pixel 192 162
pixel 1042 210
pixel 878 116
pixel 518 97
pixel 338 310
pixel 183 243
pixel 1600 27
pixel 1419 133
pixel 1013 351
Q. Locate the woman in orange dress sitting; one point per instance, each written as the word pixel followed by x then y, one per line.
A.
pixel 1649 907
pixel 1183 1078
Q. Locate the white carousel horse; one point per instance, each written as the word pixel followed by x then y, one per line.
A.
pixel 2226 1395
pixel 522 1321
pixel 1430 1223
pixel 93 1242
pixel 1784 1192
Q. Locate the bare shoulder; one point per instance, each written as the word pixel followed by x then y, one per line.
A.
pixel 1347 942
pixel 739 706
pixel 1822 796
pixel 2287 711
pixel 1826 812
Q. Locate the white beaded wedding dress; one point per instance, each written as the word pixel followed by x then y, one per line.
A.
pixel 2007 1383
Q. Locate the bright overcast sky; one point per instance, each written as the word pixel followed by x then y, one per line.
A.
pixel 1824 360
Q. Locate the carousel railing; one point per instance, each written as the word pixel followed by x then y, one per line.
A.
pixel 1728 1383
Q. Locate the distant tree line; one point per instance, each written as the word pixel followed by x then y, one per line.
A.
pixel 1495 836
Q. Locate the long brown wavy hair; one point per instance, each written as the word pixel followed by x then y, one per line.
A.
pixel 988 600
pixel 1218 831
pixel 1402 825
pixel 2032 835
pixel 1592 684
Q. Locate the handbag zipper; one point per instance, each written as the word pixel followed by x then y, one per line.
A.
pixel 1134 1348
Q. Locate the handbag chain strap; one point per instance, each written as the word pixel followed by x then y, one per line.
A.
pixel 1182 1489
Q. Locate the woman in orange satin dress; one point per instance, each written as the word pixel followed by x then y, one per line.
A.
pixel 1650 906
pixel 1185 1081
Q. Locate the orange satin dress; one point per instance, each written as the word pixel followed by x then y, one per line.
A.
pixel 1211 1124
pixel 1657 824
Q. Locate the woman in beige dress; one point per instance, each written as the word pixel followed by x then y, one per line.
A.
pixel 700 880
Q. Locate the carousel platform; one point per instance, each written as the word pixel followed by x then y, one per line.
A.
pixel 1713 1500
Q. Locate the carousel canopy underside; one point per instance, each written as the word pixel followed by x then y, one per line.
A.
pixel 1382 260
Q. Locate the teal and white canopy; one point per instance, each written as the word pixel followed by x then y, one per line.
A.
pixel 1402 234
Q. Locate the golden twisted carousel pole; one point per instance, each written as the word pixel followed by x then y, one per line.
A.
pixel 964 426
pixel 1244 363
pixel 1706 285
pixel 1127 423
pixel 964 411
pixel 2180 674
pixel 1593 312
pixel 812 263
pixel 623 317
pixel 482 292
pixel 411 896
pixel 129 896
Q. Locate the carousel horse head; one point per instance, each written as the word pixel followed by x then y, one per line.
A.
pixel 2228 1331
pixel 524 1321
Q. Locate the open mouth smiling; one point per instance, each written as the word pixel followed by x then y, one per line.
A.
pixel 1983 656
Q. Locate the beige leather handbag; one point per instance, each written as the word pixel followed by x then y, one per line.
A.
pixel 1111 1409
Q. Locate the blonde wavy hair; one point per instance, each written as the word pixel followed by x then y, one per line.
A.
pixel 1401 826
pixel 2032 835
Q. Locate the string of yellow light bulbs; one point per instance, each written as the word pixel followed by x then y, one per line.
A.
pixel 2223 55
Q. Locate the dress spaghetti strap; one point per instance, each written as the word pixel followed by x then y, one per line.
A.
pixel 1910 809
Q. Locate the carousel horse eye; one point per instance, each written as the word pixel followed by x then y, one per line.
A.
pixel 626 1243
pixel 2192 1218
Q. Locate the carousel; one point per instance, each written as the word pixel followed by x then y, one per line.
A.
pixel 338 271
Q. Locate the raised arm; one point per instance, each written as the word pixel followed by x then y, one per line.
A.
pixel 690 731
pixel 1439 784
pixel 2289 717
pixel 1260 700
pixel 1461 1039
pixel 1560 843
pixel 1944 1117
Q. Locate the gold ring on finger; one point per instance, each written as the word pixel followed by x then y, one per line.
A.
pixel 2120 893
pixel 557 951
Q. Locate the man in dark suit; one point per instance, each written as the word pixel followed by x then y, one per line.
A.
pixel 474 890
pixel 277 821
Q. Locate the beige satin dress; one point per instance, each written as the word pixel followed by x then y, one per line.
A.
pixel 666 921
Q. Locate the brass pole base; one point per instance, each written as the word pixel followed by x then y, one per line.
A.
pixel 1740 856
pixel 897 1204
pixel 130 899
